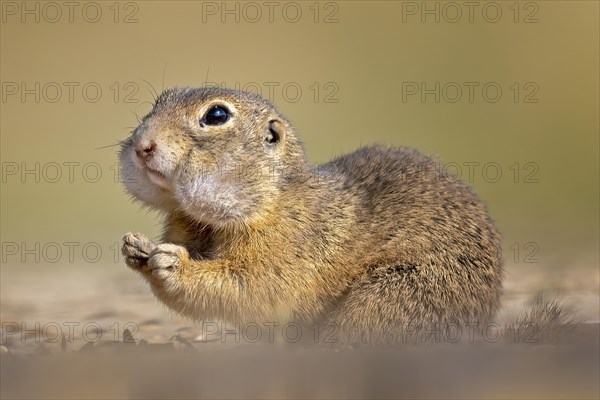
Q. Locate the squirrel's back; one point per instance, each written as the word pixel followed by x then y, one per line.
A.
pixel 434 253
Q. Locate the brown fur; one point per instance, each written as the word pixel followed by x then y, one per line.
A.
pixel 371 242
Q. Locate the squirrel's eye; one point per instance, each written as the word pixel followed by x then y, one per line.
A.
pixel 216 115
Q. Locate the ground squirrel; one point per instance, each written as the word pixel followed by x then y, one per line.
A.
pixel 371 242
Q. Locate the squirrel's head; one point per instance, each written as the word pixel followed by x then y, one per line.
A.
pixel 219 156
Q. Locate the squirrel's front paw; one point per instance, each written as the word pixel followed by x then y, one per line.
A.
pixel 166 259
pixel 136 249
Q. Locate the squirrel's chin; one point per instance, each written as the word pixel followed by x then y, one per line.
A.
pixel 152 195
pixel 159 179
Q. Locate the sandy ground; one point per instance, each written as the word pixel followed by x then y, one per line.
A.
pixel 96 304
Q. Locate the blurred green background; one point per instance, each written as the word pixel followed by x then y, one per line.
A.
pixel 353 62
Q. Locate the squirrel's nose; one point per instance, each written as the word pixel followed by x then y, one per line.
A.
pixel 145 149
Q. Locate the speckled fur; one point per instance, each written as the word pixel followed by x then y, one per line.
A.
pixel 373 242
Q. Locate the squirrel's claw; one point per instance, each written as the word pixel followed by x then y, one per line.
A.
pixel 136 249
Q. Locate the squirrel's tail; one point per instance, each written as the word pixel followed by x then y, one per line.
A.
pixel 547 319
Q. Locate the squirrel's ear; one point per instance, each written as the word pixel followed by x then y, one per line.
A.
pixel 276 132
